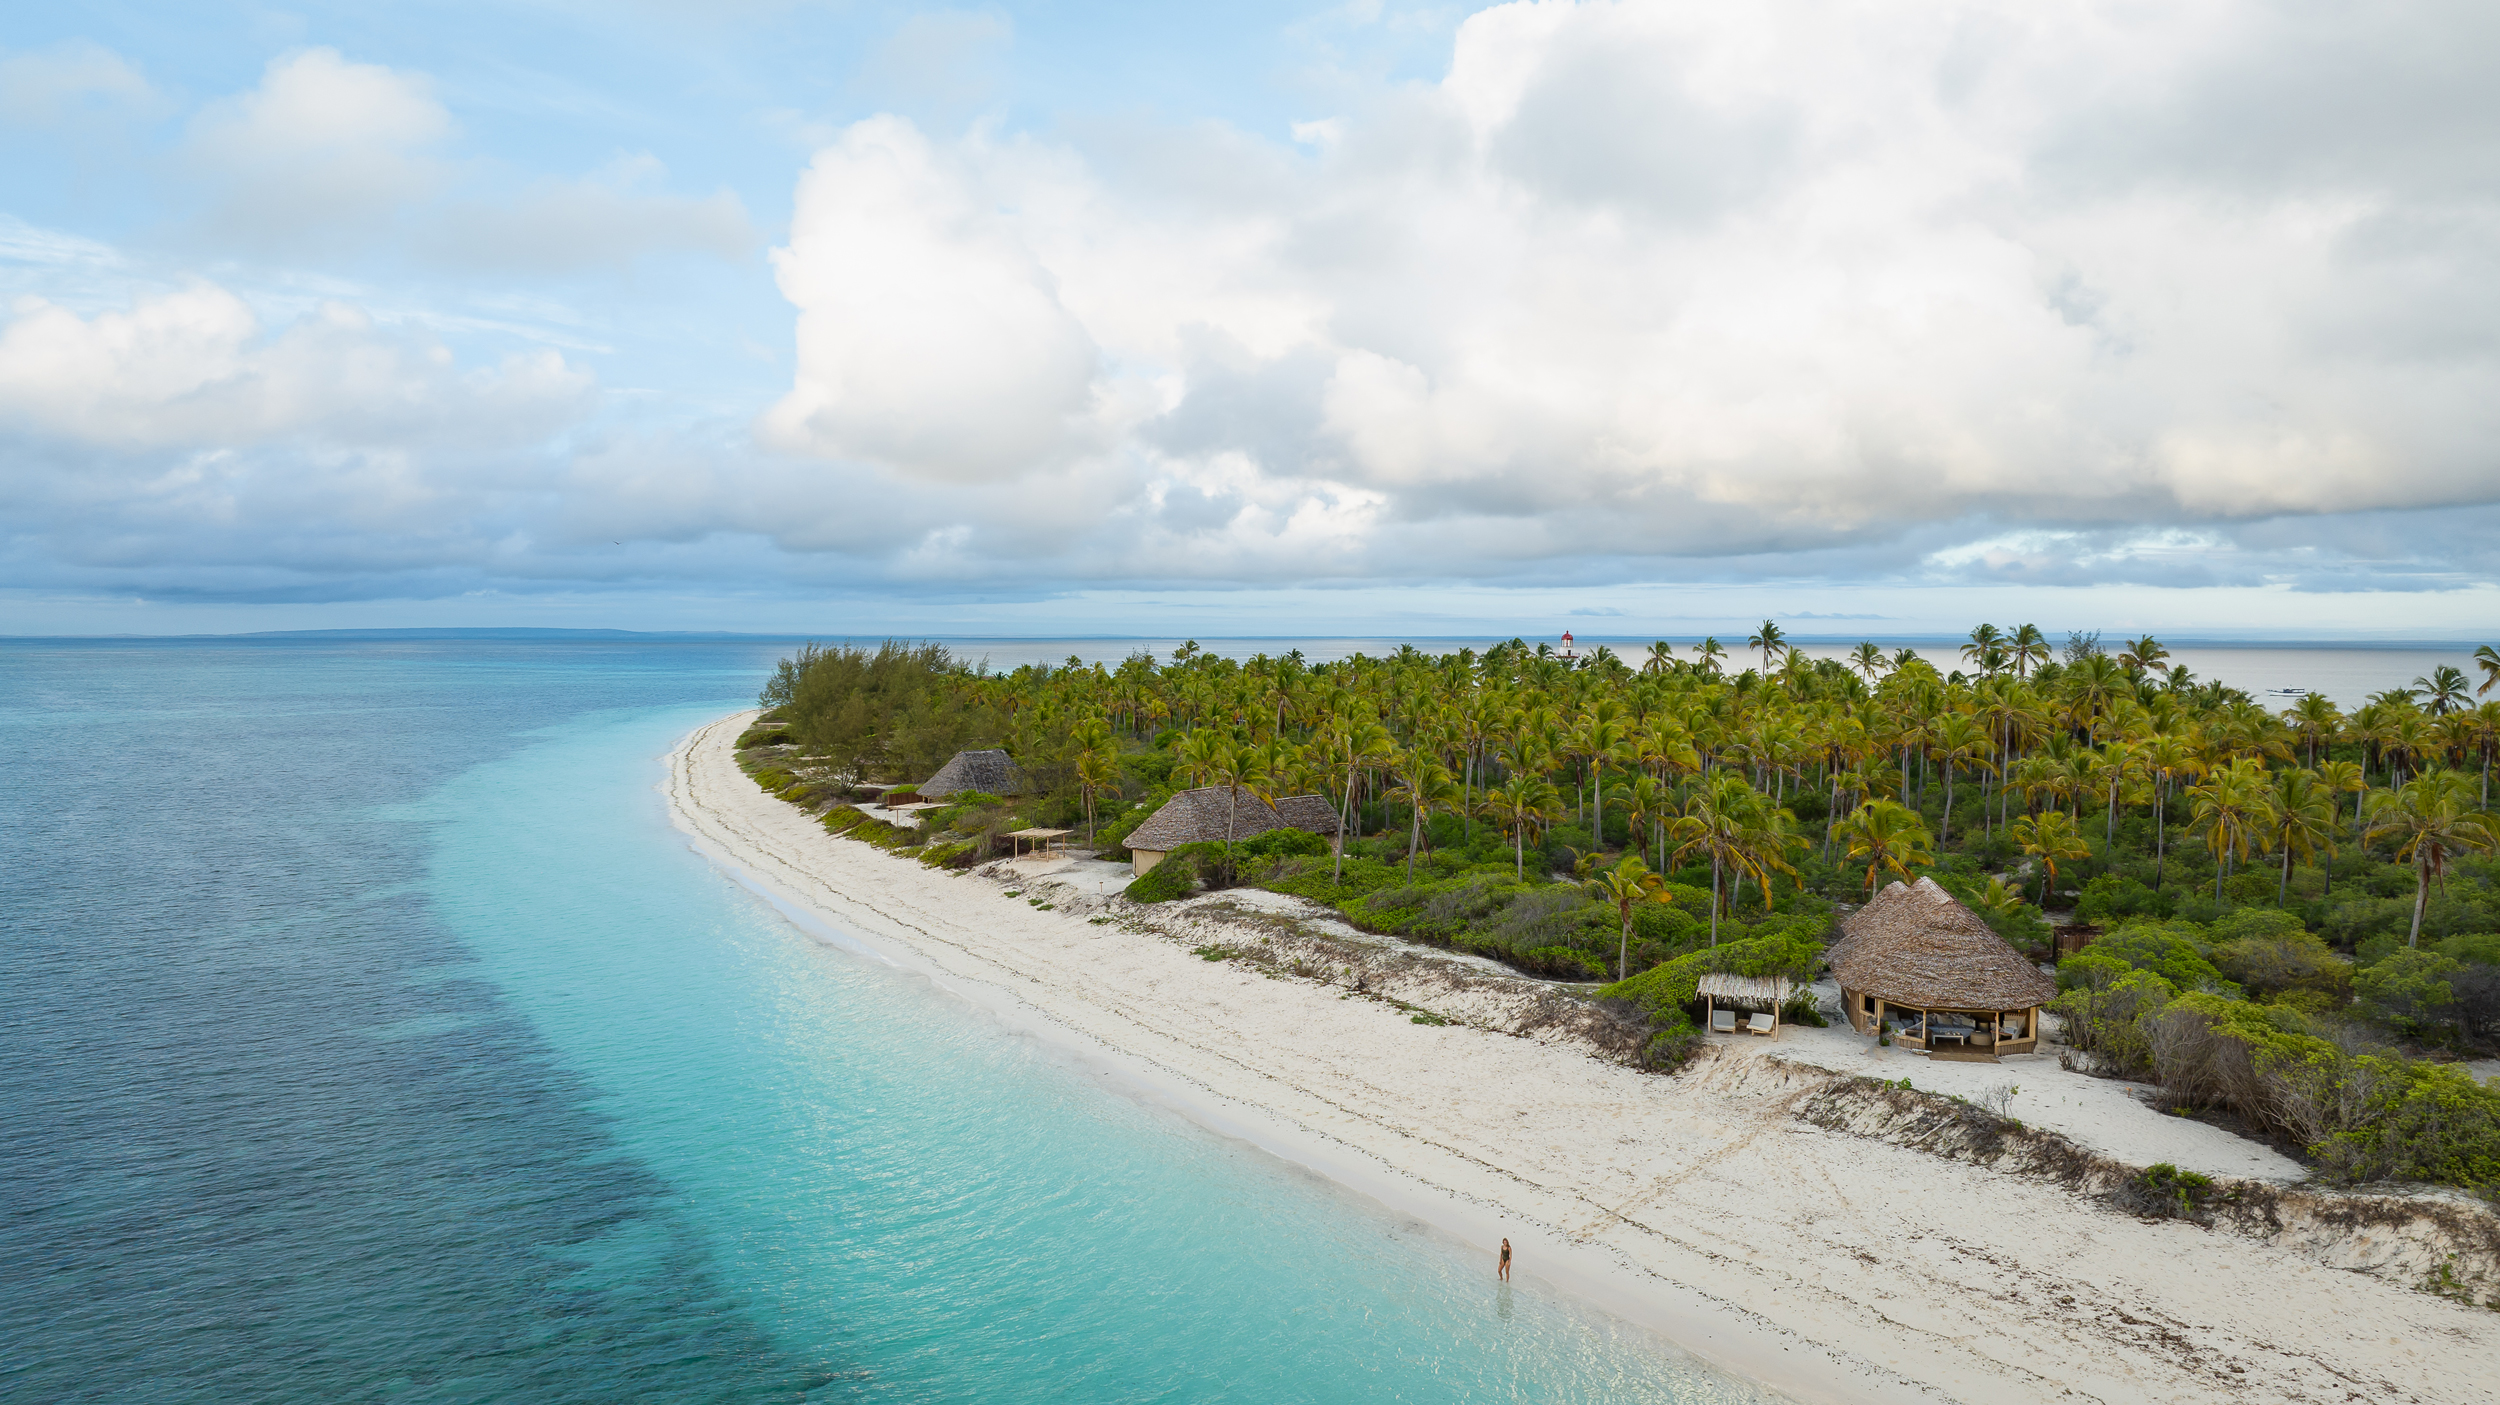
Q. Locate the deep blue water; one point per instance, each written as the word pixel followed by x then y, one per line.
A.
pixel 370 1035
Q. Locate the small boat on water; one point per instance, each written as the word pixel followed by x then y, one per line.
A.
pixel 2287 692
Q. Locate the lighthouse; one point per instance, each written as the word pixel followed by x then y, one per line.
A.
pixel 1567 651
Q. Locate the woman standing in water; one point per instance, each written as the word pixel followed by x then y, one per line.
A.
pixel 1503 1272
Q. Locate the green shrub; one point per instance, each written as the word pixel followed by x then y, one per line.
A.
pixel 1672 1042
pixel 1282 843
pixel 1671 986
pixel 762 734
pixel 2170 950
pixel 1560 962
pixel 2270 953
pixel 2420 1122
pixel 2476 949
pixel 2113 898
pixel 2165 1191
pixel 1168 881
pixel 2409 987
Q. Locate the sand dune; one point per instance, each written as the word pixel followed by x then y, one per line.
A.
pixel 1827 1265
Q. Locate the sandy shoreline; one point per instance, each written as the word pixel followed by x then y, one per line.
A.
pixel 1824 1265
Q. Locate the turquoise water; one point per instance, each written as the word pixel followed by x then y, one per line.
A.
pixel 381 1040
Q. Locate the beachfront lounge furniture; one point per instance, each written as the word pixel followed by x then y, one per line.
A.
pixel 1914 961
pixel 1729 996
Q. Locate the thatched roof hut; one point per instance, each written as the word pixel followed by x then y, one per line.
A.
pixel 1920 961
pixel 1199 817
pixel 989 772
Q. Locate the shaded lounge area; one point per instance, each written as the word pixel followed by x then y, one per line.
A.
pixel 1744 1004
pixel 1917 965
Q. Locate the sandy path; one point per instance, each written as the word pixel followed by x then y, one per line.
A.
pixel 1828 1266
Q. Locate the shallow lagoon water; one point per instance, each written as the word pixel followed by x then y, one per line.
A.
pixel 383 1041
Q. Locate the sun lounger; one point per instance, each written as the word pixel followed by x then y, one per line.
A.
pixel 1762 1024
pixel 1723 1022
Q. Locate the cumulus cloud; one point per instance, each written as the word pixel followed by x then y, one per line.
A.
pixel 1637 282
pixel 1964 292
pixel 320 148
pixel 930 338
pixel 194 368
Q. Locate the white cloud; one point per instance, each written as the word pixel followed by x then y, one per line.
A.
pixel 193 369
pixel 929 337
pixel 1639 280
pixel 68 82
pixel 323 147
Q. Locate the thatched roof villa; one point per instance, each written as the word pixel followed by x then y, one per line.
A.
pixel 989 772
pixel 1915 962
pixel 1198 817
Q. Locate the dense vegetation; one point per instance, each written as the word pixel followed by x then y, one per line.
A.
pixel 2321 875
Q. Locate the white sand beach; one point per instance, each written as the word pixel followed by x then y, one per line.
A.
pixel 1828 1266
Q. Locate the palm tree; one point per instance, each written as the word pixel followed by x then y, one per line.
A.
pixel 1646 801
pixel 1888 835
pixel 1522 801
pixel 2337 779
pixel 2316 718
pixel 1770 641
pixel 2486 741
pixel 2143 656
pixel 2050 836
pixel 2226 809
pixel 2121 761
pixel 1959 740
pixel 2300 820
pixel 1986 648
pixel 1710 651
pixel 1624 887
pixel 1197 757
pixel 2487 659
pixel 1354 747
pixel 2431 819
pixel 2092 686
pixel 1869 660
pixel 1423 785
pixel 1237 768
pixel 1661 658
pixel 1097 770
pixel 2444 691
pixel 1999 897
pixel 1715 822
pixel 2027 647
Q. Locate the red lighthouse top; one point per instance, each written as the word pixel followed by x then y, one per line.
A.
pixel 1566 636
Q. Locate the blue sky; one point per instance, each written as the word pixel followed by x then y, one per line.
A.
pixel 1130 318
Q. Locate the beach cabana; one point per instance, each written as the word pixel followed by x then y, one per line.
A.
pixel 989 772
pixel 1042 840
pixel 1752 1003
pixel 1923 967
pixel 1199 817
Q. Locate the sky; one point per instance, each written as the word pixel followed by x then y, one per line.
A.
pixel 2179 316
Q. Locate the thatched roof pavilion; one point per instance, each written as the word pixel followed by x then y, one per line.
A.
pixel 1919 964
pixel 1763 995
pixel 989 772
pixel 1199 817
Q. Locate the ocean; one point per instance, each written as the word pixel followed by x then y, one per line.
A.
pixel 373 1036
